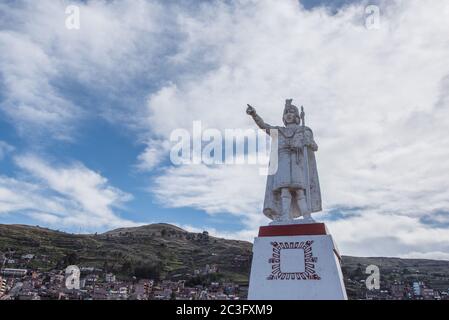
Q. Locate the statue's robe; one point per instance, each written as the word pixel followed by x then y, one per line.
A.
pixel 291 172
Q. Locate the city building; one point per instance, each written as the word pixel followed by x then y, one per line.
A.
pixel 10 272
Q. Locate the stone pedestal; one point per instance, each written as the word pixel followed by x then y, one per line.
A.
pixel 295 262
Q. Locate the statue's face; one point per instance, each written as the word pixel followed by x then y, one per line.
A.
pixel 290 117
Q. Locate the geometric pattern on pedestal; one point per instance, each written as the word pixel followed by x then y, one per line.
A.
pixel 308 273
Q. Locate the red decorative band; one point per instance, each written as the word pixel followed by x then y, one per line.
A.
pixel 308 229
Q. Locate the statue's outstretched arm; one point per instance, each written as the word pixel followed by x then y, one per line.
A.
pixel 257 119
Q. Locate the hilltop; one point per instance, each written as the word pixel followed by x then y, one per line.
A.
pixel 167 251
pixel 160 248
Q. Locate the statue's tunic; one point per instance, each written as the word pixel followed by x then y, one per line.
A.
pixel 291 171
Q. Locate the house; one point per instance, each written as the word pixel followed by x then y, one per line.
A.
pixel 10 272
pixel 397 291
pixel 428 294
pixel 110 278
pixel 123 290
pixel 3 286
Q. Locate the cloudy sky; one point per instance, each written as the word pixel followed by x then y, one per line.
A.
pixel 86 114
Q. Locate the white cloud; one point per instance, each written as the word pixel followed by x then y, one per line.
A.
pixel 229 189
pixel 376 99
pixel 378 234
pixel 44 65
pixel 427 255
pixel 69 196
pixel 155 152
pixel 30 100
pixel 5 148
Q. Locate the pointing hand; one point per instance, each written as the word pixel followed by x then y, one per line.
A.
pixel 250 110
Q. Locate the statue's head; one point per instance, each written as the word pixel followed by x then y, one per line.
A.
pixel 291 113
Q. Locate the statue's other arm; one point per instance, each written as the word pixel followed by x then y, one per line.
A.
pixel 310 141
pixel 258 120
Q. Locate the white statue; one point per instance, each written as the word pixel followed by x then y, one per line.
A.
pixel 294 190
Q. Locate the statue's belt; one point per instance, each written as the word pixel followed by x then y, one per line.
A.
pixel 291 149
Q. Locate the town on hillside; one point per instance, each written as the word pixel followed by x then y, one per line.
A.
pixel 20 283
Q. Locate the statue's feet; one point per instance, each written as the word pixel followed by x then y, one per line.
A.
pixel 277 221
pixel 308 217
pixel 282 219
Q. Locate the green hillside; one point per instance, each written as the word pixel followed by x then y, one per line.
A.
pixel 163 248
pixel 166 251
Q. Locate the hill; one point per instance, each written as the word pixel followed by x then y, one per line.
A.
pixel 166 251
pixel 159 248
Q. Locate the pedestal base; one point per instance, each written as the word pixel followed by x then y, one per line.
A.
pixel 295 262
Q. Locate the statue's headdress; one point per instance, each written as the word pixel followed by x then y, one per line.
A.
pixel 290 107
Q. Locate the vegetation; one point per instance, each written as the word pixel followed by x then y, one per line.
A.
pixel 153 251
pixel 161 251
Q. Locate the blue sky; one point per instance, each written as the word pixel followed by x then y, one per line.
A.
pixel 86 114
pixel 102 147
